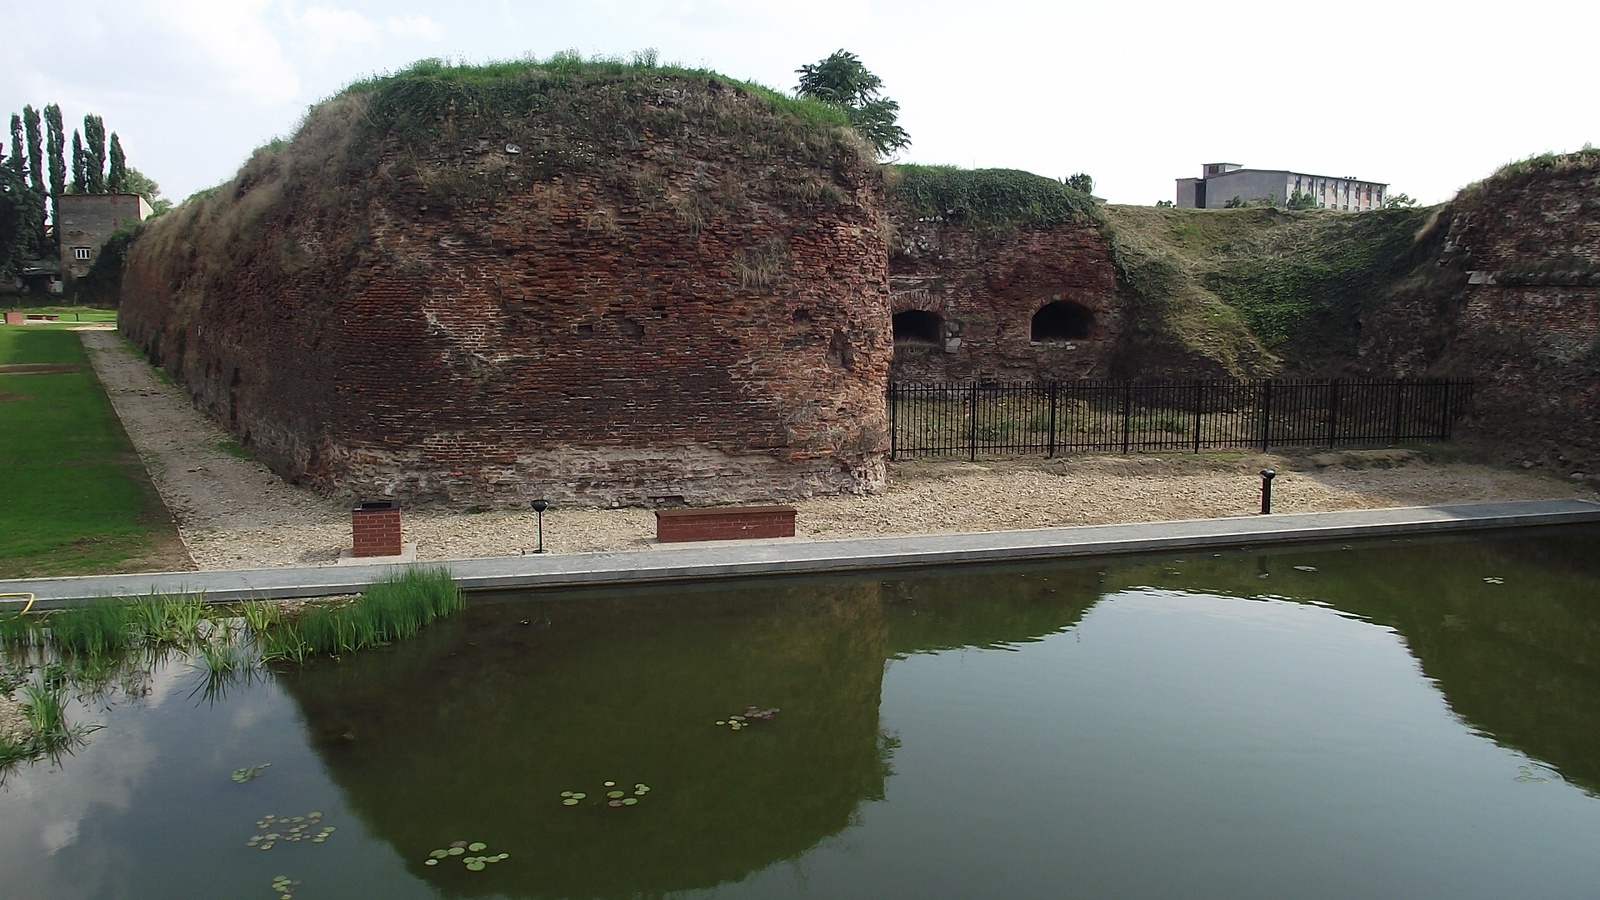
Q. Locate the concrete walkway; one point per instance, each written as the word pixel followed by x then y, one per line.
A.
pixel 742 559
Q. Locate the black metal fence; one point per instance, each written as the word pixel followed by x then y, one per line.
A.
pixel 1050 417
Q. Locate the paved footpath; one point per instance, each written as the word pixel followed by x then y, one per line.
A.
pixel 743 559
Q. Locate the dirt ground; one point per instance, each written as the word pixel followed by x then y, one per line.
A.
pixel 233 513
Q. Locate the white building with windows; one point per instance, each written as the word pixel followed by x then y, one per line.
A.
pixel 1220 183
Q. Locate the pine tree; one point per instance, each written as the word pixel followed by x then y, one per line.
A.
pixel 80 165
pixel 94 154
pixel 55 147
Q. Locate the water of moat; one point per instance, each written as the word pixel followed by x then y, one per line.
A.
pixel 1397 719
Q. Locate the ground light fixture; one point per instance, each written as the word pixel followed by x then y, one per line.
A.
pixel 1266 490
pixel 539 506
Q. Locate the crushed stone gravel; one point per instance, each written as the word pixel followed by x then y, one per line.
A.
pixel 232 512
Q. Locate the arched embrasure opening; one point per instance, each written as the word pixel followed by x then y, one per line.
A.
pixel 1062 320
pixel 915 326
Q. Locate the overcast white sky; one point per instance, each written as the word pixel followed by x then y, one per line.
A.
pixel 1427 96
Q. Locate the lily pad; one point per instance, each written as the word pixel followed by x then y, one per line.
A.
pixel 438 854
pixel 629 801
pixel 456 851
pixel 430 862
pixel 570 801
pixel 614 803
pixel 475 866
pixel 615 794
pixel 476 846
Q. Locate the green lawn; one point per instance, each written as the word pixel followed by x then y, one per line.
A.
pixel 70 315
pixel 74 498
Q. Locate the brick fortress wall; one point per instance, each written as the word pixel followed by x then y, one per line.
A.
pixel 1517 309
pixel 986 290
pixel 698 317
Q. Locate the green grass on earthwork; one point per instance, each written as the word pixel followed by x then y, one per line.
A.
pixel 74 498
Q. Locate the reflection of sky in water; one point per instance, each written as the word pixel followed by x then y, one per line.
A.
pixel 136 813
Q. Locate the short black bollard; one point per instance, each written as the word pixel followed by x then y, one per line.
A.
pixel 1266 490
pixel 539 506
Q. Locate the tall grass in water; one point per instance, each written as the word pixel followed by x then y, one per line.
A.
pixel 18 630
pixel 393 609
pixel 94 629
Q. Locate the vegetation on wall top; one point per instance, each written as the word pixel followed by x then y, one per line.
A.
pixel 433 102
pixel 990 199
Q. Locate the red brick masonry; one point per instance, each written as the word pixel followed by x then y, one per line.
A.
pixel 724 523
pixel 376 531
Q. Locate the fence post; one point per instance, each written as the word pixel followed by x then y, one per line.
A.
pixel 1127 413
pixel 1399 395
pixel 1055 390
pixel 1266 414
pixel 1333 412
pixel 1199 404
pixel 1444 413
pixel 893 418
pixel 972 426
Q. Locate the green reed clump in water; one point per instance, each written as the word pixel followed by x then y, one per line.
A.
pixel 390 610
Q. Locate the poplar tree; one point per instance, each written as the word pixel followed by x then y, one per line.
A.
pixel 80 179
pixel 55 147
pixel 19 163
pixel 94 154
pixel 30 124
pixel 117 175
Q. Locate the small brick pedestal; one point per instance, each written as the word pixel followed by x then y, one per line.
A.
pixel 376 529
pixel 724 523
pixel 14 318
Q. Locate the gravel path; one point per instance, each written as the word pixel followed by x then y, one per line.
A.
pixel 233 513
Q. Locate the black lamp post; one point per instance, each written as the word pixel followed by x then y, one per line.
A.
pixel 1266 491
pixel 539 506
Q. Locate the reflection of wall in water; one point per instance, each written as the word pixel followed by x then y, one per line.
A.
pixel 1519 661
pixel 471 731
pixel 474 730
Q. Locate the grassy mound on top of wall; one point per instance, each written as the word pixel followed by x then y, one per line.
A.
pixel 989 200
pixel 1296 282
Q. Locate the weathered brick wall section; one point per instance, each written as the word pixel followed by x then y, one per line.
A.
pixel 987 288
pixel 724 523
pixel 1518 310
pixel 698 328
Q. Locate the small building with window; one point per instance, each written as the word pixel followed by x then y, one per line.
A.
pixel 84 222
pixel 1220 183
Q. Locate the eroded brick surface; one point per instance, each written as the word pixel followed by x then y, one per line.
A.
pixel 986 290
pixel 693 327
